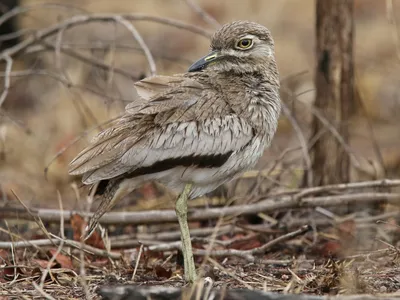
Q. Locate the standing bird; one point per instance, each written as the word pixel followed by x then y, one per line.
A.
pixel 191 132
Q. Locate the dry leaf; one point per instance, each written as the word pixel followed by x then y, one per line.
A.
pixel 78 225
pixel 162 272
pixel 42 263
pixel 64 261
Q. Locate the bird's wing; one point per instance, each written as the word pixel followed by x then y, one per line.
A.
pixel 159 93
pixel 183 123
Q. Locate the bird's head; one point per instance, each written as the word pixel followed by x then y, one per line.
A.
pixel 239 47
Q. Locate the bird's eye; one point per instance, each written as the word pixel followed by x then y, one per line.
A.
pixel 244 44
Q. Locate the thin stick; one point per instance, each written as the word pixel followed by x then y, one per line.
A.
pixel 162 216
pixel 83 19
pixel 137 262
pixel 9 63
pixel 141 42
pixel 203 14
pixel 41 291
pixel 302 141
pixel 60 247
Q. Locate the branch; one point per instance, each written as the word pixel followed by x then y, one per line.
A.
pixel 58 241
pixel 267 205
pixel 83 19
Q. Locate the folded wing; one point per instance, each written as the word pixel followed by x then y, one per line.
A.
pixel 163 130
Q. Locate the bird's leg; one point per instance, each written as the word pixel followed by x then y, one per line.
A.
pixel 181 213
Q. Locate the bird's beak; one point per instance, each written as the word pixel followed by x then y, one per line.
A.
pixel 204 61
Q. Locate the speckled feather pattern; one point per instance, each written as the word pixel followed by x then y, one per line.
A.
pixel 232 106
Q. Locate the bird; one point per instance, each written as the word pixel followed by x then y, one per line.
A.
pixel 191 132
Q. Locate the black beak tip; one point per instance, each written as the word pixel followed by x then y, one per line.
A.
pixel 196 67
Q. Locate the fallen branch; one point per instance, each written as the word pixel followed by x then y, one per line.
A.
pixel 58 241
pixel 248 255
pixel 84 19
pixel 163 216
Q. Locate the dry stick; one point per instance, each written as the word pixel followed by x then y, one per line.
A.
pixel 303 143
pixel 41 291
pixel 246 254
pixel 12 247
pixel 203 14
pixel 127 241
pixel 37 219
pixel 337 135
pixel 56 241
pixel 6 88
pixel 346 186
pixel 248 286
pixel 119 46
pixel 136 35
pixel 23 9
pixel 83 19
pixel 162 216
pixel 91 61
pixel 63 80
pixel 175 235
pixel 60 247
pixel 137 262
pixel 373 254
pixel 16 122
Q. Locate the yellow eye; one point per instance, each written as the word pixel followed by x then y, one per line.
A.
pixel 244 43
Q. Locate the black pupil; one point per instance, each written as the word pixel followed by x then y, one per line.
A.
pixel 245 43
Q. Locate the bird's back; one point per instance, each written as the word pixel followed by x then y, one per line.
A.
pixel 199 127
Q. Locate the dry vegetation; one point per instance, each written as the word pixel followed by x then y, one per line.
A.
pixel 259 232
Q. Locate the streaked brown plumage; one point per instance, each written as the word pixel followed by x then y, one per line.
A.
pixel 201 128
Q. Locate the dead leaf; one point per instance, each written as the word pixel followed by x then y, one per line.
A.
pixel 4 255
pixel 64 261
pixel 246 244
pixel 162 272
pixel 42 263
pixel 331 249
pixel 78 224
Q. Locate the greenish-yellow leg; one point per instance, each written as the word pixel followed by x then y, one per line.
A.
pixel 181 213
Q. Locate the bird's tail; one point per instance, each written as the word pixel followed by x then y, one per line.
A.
pixel 111 195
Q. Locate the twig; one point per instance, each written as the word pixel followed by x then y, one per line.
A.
pixel 7 72
pixel 56 241
pixel 162 216
pixel 246 254
pixel 42 292
pixel 141 42
pixel 248 286
pixel 83 19
pixel 373 254
pixel 280 239
pixel 89 60
pixel 137 262
pixel 203 14
pixel 59 249
pixel 302 141
pixel 349 186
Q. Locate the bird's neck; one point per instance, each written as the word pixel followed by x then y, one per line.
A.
pixel 256 97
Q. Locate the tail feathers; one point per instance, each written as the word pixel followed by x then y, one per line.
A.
pixel 111 195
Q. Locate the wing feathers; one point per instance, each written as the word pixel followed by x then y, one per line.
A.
pixel 174 124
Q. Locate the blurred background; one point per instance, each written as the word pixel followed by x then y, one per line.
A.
pixel 56 96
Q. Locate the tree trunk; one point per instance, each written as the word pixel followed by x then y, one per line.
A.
pixel 334 90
